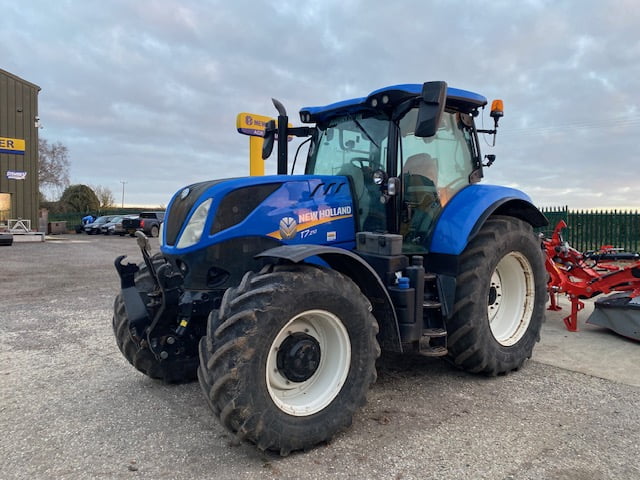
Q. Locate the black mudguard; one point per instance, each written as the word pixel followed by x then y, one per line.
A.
pixel 354 267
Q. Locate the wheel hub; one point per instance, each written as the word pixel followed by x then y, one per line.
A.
pixel 298 357
pixel 493 295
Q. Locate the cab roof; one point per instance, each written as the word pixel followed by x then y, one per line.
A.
pixel 458 100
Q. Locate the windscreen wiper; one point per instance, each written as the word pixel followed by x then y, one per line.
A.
pixel 365 133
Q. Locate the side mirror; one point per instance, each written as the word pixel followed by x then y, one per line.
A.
pixel 432 102
pixel 268 139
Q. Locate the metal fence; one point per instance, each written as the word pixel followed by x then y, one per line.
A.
pixel 589 230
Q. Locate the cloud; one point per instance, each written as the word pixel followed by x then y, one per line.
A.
pixel 148 91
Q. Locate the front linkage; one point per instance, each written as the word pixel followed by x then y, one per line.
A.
pixel 164 322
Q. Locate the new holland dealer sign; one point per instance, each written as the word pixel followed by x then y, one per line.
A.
pixel 12 146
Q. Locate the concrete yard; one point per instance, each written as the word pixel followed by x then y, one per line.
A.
pixel 71 407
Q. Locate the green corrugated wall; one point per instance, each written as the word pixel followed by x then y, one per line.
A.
pixel 18 112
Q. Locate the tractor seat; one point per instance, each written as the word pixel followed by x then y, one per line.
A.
pixel 420 174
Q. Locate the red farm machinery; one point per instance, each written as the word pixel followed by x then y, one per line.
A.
pixel 586 275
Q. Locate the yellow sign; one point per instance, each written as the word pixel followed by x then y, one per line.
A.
pixel 13 146
pixel 252 124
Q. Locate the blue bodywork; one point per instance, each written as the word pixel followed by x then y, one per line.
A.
pixel 465 213
pixel 303 209
pixel 319 210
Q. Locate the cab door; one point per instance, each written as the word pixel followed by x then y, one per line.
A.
pixel 432 170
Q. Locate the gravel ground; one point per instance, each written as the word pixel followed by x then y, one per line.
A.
pixel 72 407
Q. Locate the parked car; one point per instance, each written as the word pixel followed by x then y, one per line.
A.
pixel 94 228
pixel 109 227
pixel 86 220
pixel 148 222
pixel 6 239
pixel 118 229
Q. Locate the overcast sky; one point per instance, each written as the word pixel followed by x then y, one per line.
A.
pixel 147 92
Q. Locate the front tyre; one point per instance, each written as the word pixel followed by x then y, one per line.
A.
pixel 500 299
pixel 289 356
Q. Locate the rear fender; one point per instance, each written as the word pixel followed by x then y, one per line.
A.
pixel 467 211
pixel 361 273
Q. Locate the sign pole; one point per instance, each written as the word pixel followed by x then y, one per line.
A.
pixel 256 163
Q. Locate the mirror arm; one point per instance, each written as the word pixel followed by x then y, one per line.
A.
pixel 300 131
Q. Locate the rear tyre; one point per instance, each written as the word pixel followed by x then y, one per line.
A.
pixel 136 350
pixel 289 356
pixel 154 231
pixel 500 299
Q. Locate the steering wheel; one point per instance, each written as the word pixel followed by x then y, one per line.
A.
pixel 362 162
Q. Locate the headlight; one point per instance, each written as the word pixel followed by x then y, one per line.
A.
pixel 193 231
pixel 160 232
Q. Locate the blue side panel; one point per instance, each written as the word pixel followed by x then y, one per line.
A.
pixel 305 209
pixel 462 213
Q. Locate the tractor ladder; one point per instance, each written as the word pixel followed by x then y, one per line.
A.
pixel 433 341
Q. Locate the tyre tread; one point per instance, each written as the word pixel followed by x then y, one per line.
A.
pixel 469 345
pixel 226 355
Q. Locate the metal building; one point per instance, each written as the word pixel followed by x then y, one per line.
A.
pixel 19 198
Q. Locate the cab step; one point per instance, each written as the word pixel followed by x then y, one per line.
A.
pixel 431 304
pixel 431 342
pixel 434 332
pixel 433 351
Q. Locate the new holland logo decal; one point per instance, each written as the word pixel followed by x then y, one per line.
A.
pixel 289 226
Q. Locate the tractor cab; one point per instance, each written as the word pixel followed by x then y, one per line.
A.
pixel 401 176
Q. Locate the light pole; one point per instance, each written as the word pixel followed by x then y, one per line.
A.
pixel 123 182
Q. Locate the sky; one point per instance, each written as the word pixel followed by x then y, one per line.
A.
pixel 147 92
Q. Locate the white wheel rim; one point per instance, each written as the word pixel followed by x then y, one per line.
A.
pixel 316 393
pixel 511 298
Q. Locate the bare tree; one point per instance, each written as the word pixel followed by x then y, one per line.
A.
pixel 53 168
pixel 105 196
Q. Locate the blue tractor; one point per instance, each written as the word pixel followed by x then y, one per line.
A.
pixel 279 292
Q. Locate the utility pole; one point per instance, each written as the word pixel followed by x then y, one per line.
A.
pixel 123 182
